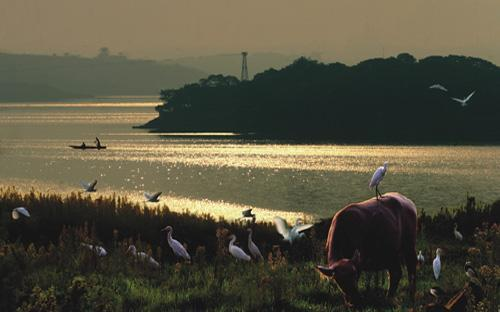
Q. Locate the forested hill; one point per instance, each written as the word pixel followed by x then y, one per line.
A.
pixel 377 100
pixel 59 76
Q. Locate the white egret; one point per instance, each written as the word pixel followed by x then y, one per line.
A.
pixel 436 264
pixel 153 198
pixel 236 251
pixel 89 187
pixel 377 177
pixel 177 247
pixel 98 250
pixel 17 212
pixel 420 258
pixel 144 257
pixel 471 273
pixel 291 234
pixel 464 101
pixel 254 250
pixel 457 234
pixel 438 86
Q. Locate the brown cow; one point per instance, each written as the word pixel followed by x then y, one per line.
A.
pixel 372 235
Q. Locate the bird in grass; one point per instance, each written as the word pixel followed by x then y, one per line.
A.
pixel 98 250
pixel 457 234
pixel 254 250
pixel 420 258
pixel 89 187
pixel 463 102
pixel 143 257
pixel 17 212
pixel 377 177
pixel 471 273
pixel 436 264
pixel 236 251
pixel 153 198
pixel 177 247
pixel 437 293
pixel 439 87
pixel 290 234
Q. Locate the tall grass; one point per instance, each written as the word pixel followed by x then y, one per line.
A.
pixel 43 267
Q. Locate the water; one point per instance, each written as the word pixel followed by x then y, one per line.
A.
pixel 224 174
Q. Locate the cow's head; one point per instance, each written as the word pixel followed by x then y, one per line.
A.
pixel 346 273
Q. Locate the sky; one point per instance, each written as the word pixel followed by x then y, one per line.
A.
pixel 335 30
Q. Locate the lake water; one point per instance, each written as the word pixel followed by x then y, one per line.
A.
pixel 224 174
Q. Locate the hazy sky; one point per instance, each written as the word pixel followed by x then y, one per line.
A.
pixel 343 30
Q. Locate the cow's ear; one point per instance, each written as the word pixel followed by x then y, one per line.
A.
pixel 356 258
pixel 327 271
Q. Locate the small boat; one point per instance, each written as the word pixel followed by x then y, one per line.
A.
pixel 87 147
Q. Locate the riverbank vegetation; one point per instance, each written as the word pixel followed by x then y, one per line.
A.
pixel 382 100
pixel 43 266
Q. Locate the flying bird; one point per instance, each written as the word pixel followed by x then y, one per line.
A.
pixel 177 247
pixel 247 213
pixel 236 251
pixel 436 264
pixel 17 212
pixel 144 257
pixel 98 250
pixel 89 187
pixel 439 87
pixel 464 101
pixel 457 234
pixel 291 234
pixel 420 258
pixel 153 198
pixel 254 250
pixel 377 177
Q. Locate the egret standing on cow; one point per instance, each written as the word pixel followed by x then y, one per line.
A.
pixel 378 176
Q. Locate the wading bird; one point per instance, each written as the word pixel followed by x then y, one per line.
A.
pixel 291 234
pixel 98 250
pixel 471 273
pixel 457 234
pixel 177 247
pixel 17 212
pixel 254 250
pixel 438 86
pixel 377 177
pixel 144 257
pixel 236 251
pixel 153 198
pixel 436 264
pixel 464 101
pixel 420 258
pixel 89 187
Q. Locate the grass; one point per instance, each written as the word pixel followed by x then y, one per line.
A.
pixel 44 268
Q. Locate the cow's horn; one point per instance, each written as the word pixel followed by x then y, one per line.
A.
pixel 325 270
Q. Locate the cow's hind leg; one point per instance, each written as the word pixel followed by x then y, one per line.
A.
pixel 411 267
pixel 394 277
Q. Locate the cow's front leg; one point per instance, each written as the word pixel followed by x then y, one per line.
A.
pixel 394 277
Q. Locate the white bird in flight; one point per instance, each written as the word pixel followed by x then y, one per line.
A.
pixel 236 251
pixel 438 86
pixel 144 257
pixel 457 234
pixel 420 258
pixel 254 250
pixel 17 212
pixel 436 264
pixel 464 101
pixel 291 234
pixel 377 177
pixel 89 187
pixel 153 198
pixel 177 247
pixel 98 250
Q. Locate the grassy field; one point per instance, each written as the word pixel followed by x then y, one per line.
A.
pixel 43 266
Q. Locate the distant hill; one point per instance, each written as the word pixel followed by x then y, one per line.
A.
pixel 378 100
pixel 104 75
pixel 29 92
pixel 230 64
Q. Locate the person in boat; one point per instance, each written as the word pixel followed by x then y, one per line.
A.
pixel 83 145
pixel 97 142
